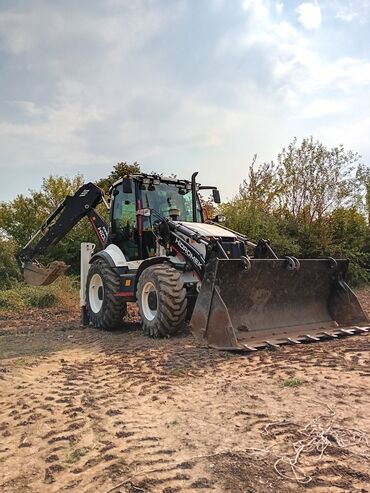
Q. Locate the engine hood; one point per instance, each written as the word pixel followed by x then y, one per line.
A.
pixel 207 230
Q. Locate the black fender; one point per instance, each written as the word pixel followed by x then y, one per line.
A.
pixel 103 256
pixel 147 263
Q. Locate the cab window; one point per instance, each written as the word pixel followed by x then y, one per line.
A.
pixel 124 224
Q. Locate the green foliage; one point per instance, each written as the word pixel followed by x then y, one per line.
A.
pixel 256 223
pixel 9 272
pixel 309 203
pixel 40 298
pixel 23 216
pixel 12 299
pixel 292 382
pixel 305 183
pixel 119 171
pixel 76 454
pixel 313 180
pixel 363 180
pixel 21 296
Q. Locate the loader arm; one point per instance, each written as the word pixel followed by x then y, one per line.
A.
pixel 66 215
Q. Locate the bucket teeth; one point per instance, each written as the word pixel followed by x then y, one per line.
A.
pixel 348 331
pixel 362 329
pixel 293 341
pixel 330 335
pixel 312 338
pixel 250 348
pixel 273 345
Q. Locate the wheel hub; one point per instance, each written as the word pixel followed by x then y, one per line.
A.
pixel 152 300
pixel 100 293
pixel 96 293
pixel 149 301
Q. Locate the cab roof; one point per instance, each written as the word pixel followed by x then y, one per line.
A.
pixel 142 176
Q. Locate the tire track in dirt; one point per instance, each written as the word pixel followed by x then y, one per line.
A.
pixel 167 416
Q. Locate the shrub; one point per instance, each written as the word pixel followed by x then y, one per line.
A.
pixel 12 299
pixel 63 292
pixel 9 271
pixel 40 297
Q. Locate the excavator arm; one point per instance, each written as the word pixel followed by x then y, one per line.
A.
pixel 55 228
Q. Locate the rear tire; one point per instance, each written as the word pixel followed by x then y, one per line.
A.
pixel 105 310
pixel 162 302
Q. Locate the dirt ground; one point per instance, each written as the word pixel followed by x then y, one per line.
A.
pixel 83 410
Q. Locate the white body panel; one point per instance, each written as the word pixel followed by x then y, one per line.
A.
pixel 119 259
pixel 116 255
pixel 208 230
pixel 87 250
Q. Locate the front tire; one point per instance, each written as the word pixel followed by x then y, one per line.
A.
pixel 105 310
pixel 162 302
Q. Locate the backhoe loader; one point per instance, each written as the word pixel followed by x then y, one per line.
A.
pixel 159 251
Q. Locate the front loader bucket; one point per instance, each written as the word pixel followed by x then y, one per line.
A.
pixel 38 275
pixel 268 302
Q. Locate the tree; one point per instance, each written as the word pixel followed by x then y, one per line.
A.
pixel 23 216
pixel 9 272
pixel 306 181
pixel 315 180
pixel 308 203
pixel 208 207
pixel 119 171
pixel 261 188
pixel 350 238
pixel 363 177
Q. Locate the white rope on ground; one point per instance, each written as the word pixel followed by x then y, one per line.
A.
pixel 319 434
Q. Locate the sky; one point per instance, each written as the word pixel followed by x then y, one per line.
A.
pixel 177 85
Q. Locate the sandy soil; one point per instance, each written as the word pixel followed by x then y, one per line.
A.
pixel 83 410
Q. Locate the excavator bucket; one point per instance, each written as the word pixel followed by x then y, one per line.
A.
pixel 38 275
pixel 249 304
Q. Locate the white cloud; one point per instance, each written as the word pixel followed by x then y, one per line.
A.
pixel 309 15
pixel 175 85
pixel 324 107
pixel 279 7
pixel 352 132
pixel 346 15
pixel 25 31
pixel 351 10
pixel 297 66
pixel 260 8
pixel 53 130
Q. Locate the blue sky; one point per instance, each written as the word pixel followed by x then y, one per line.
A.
pixel 178 85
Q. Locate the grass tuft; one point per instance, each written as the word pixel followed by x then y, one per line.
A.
pixel 292 382
pixel 75 455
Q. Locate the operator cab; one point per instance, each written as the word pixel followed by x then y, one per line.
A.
pixel 170 198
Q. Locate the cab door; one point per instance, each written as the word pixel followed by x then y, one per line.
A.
pixel 124 222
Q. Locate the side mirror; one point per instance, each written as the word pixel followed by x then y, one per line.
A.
pixel 127 185
pixel 219 219
pixel 216 196
pixel 144 212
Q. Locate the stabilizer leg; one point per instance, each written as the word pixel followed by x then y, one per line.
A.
pixel 87 250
